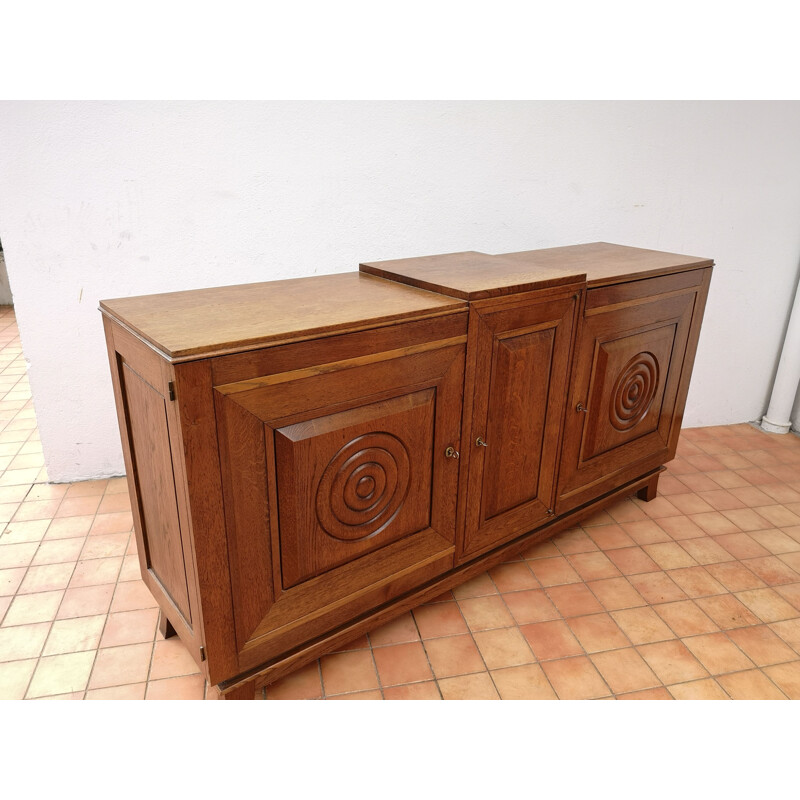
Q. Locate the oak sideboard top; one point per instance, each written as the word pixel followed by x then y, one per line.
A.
pixel 606 263
pixel 476 276
pixel 199 323
pixel 202 322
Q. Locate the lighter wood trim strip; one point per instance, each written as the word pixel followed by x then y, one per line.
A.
pixel 638 301
pixel 334 366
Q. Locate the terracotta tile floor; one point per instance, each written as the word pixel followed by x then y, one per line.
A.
pixel 694 595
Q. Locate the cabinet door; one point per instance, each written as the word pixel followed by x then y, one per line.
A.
pixel 521 375
pixel 338 493
pixel 636 345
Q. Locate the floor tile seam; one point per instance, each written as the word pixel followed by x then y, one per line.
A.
pixel 326 695
pixel 33 673
pixel 795 647
pixel 619 627
pixel 472 639
pixel 517 626
pixel 264 688
pixel 95 649
pixel 725 634
pixel 568 658
pixel 764 621
pixel 66 560
pixel 98 649
pixel 381 687
pixel 31 566
pixel 659 685
pixel 94 663
pixel 55 655
pixel 780 557
pixel 792 660
pixel 608 611
pixel 37 657
pixel 687 600
pixel 27 568
pixel 587 653
pixel 581 645
pixel 742 671
pixel 353 691
pixel 688 680
pixel 725 591
pixel 711 678
pixel 321 682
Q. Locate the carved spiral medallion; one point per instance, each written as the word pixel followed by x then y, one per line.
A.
pixel 634 391
pixel 363 487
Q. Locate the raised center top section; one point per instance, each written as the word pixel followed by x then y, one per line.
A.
pixel 476 276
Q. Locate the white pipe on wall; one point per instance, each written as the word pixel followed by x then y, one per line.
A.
pixel 777 419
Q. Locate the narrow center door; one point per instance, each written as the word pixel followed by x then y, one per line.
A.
pixel 521 375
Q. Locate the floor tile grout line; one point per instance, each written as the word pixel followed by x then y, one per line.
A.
pixel 564 620
pixel 677 637
pixel 470 633
pixel 425 651
pixel 94 649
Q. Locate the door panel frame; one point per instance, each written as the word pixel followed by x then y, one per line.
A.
pixel 288 615
pixel 632 311
pixel 497 320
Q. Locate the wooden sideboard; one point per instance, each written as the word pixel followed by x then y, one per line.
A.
pixel 309 458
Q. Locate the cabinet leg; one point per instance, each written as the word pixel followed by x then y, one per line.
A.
pixel 165 626
pixel 650 491
pixel 247 691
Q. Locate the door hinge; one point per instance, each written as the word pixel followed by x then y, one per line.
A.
pixel 202 653
pixel 171 387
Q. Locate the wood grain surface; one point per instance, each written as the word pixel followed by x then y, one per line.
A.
pixel 474 276
pixel 227 319
pixel 606 263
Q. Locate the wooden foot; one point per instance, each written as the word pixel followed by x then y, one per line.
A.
pixel 165 626
pixel 247 691
pixel 650 491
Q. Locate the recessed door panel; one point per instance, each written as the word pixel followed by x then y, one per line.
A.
pixel 520 385
pixel 155 480
pixel 352 482
pixel 628 383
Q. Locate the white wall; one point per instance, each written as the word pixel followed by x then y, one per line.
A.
pixel 6 298
pixel 103 200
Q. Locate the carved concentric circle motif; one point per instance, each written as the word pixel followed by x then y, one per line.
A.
pixel 634 391
pixel 363 487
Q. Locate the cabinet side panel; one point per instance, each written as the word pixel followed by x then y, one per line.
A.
pixel 688 361
pixel 150 367
pixel 155 481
